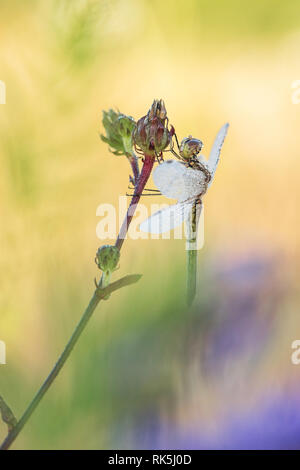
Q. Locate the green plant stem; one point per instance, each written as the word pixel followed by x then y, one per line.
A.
pixel 98 295
pixel 192 253
pixel 7 415
pixel 132 158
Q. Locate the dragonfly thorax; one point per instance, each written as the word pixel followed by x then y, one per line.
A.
pixel 197 164
pixel 202 177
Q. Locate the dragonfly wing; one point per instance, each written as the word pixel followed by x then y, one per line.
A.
pixel 167 219
pixel 216 149
pixel 176 181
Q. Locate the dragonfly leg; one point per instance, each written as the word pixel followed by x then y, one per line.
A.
pixel 142 195
pixel 152 190
pixel 159 157
pixel 138 151
pixel 131 180
pixel 146 189
pixel 178 146
pixel 172 149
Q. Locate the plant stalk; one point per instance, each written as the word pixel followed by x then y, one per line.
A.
pixel 98 295
pixel 134 165
pixel 140 185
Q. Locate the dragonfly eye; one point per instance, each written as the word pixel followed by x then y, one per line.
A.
pixel 190 147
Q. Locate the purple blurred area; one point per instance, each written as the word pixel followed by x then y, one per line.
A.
pixel 231 395
pixel 274 423
pixel 245 303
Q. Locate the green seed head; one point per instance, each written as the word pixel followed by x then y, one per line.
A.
pixel 107 258
pixel 118 128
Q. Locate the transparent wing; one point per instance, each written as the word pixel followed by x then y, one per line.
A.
pixel 167 219
pixel 176 181
pixel 216 149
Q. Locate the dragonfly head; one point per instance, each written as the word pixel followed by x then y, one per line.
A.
pixel 190 147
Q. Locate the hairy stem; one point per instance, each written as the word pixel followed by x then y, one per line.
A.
pixel 139 187
pixel 98 295
pixel 134 165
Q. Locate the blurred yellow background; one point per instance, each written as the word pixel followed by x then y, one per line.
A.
pixel 212 62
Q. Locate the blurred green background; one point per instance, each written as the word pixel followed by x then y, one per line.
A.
pixel 146 369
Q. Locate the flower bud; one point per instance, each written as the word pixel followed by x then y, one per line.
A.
pixel 190 147
pixel 118 129
pixel 151 134
pixel 107 258
pixel 126 124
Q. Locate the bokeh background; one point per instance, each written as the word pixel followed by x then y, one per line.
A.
pixel 147 372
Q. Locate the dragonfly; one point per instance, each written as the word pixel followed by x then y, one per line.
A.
pixel 186 179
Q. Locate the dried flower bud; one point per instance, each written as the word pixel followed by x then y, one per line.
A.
pixel 158 109
pixel 107 258
pixel 118 129
pixel 190 147
pixel 151 134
